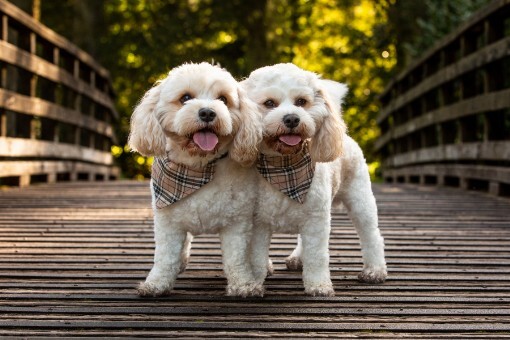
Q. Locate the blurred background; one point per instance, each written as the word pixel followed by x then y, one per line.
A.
pixel 362 43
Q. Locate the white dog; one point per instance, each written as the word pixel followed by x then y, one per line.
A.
pixel 201 126
pixel 306 161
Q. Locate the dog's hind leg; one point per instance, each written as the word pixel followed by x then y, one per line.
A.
pixel 294 261
pixel 356 194
pixel 185 252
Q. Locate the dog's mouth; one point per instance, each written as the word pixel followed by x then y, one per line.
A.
pixel 205 139
pixel 285 144
pixel 202 142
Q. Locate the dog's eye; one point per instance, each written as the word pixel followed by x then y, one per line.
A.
pixel 300 102
pixel 185 98
pixel 223 99
pixel 269 103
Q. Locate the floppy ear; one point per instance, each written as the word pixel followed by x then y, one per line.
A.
pixel 335 90
pixel 147 136
pixel 244 148
pixel 327 144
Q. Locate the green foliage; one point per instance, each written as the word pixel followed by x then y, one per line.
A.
pixel 440 19
pixel 417 25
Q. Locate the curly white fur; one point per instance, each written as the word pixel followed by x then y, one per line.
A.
pixel 341 172
pixel 163 124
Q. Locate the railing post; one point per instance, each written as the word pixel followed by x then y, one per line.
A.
pixel 5 27
pixel 24 180
pixel 494 188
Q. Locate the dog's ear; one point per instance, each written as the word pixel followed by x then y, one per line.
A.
pixel 327 144
pixel 244 148
pixel 336 91
pixel 146 135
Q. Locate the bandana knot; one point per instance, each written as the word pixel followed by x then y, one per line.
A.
pixel 290 174
pixel 173 181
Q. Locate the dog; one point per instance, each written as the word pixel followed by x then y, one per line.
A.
pixel 306 161
pixel 203 131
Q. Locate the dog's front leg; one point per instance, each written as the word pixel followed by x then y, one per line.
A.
pixel 236 262
pixel 315 257
pixel 259 253
pixel 167 259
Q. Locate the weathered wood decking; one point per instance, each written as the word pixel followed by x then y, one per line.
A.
pixel 70 255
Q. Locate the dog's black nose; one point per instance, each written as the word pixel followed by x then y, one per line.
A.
pixel 206 114
pixel 291 120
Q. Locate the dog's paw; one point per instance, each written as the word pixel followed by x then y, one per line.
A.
pixel 320 289
pixel 257 290
pixel 373 275
pixel 153 289
pixel 270 269
pixel 246 290
pixel 294 263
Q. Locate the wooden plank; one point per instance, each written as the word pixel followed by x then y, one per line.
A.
pixel 493 101
pixel 17 168
pixel 38 107
pixel 20 147
pixel 483 151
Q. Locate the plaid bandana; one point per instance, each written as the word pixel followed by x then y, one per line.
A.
pixel 291 174
pixel 172 181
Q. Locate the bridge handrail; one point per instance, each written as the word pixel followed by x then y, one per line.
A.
pixel 447 115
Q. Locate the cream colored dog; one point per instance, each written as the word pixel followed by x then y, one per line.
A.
pixel 303 130
pixel 199 122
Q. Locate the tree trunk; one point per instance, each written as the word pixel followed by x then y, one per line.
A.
pixel 257 53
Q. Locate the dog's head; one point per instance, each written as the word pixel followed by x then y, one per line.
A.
pixel 298 106
pixel 198 111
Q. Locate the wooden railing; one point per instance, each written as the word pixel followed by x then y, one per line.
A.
pixel 446 119
pixel 56 109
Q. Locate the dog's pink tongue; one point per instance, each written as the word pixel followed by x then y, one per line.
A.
pixel 290 139
pixel 206 140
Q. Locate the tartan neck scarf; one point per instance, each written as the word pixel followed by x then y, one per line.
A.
pixel 172 181
pixel 290 174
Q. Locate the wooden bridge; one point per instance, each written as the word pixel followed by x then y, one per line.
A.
pixel 72 253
